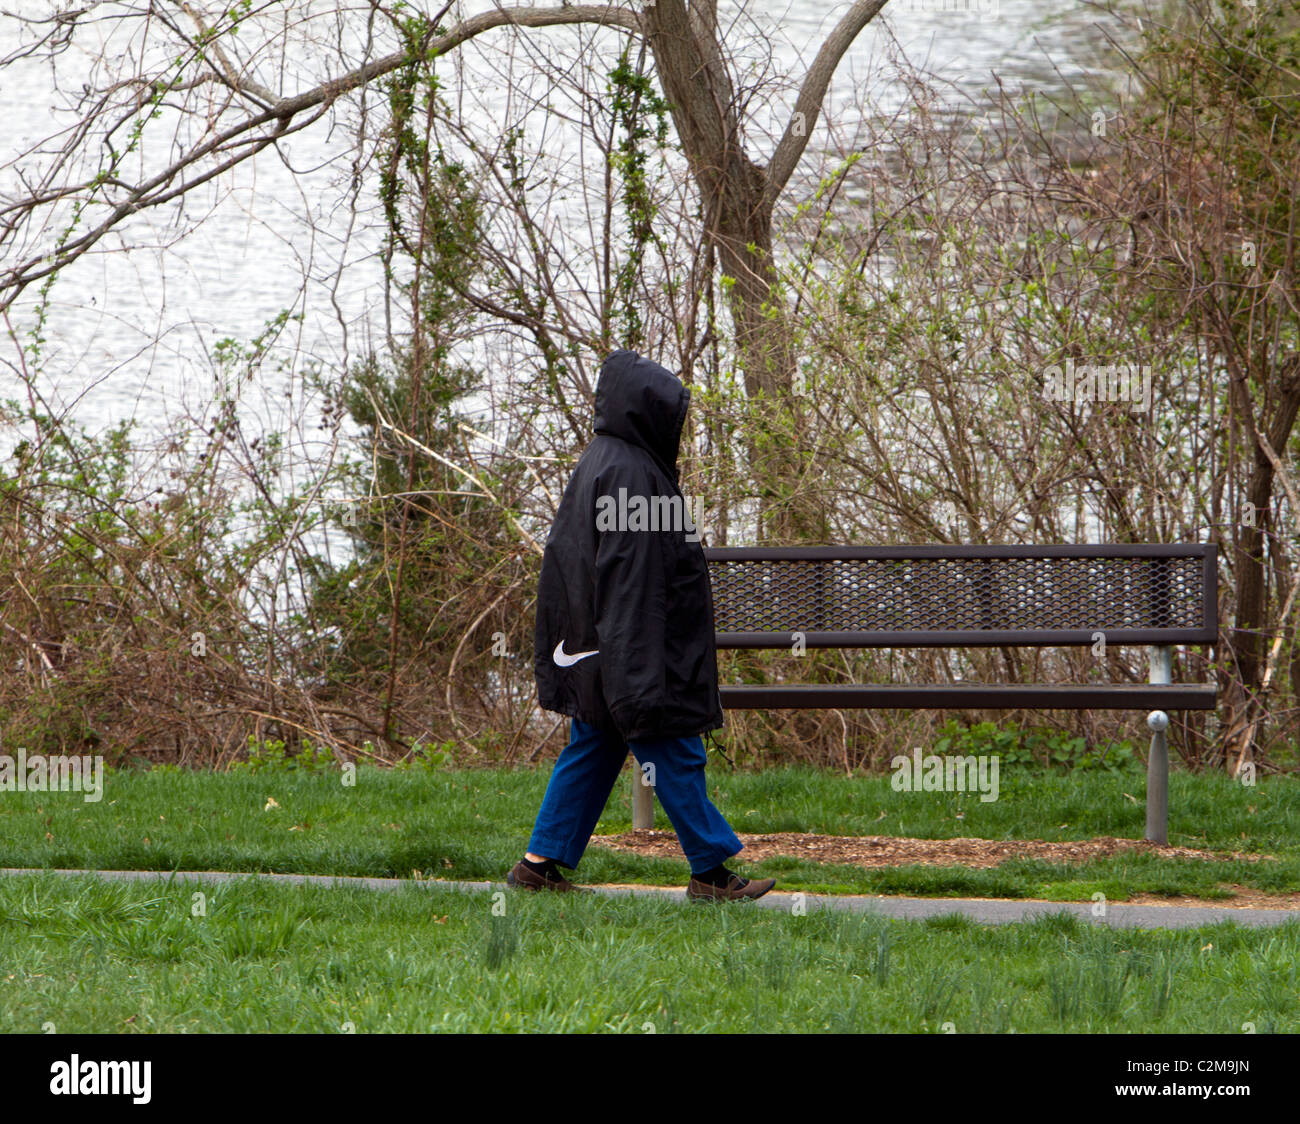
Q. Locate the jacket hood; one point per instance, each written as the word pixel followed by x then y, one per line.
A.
pixel 643 403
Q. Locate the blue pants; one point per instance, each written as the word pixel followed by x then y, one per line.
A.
pixel 584 777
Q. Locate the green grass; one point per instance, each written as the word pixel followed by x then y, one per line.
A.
pixel 86 955
pixel 474 825
pixel 93 956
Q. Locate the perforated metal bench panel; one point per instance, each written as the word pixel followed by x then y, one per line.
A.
pixel 963 596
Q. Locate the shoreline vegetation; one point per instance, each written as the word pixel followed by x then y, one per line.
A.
pixel 930 278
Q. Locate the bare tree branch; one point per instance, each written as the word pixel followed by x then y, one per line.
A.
pixel 813 91
pixel 155 191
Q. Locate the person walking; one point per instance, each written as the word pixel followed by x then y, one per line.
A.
pixel 624 639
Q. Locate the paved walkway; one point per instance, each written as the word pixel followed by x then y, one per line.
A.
pixel 983 910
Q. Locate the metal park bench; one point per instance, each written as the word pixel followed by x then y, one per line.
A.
pixel 971 596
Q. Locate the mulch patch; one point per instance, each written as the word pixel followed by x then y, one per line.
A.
pixel 876 851
pixel 886 850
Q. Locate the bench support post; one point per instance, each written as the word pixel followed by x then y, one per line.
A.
pixel 643 800
pixel 1158 758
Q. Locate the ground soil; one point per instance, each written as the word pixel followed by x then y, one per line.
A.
pixel 875 851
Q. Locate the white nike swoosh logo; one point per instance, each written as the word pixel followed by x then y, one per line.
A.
pixel 568 659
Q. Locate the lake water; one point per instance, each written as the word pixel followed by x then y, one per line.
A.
pixel 130 335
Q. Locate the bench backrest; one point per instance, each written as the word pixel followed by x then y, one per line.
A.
pixel 964 596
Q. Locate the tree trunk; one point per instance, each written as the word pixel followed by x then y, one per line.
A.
pixel 739 200
pixel 1242 702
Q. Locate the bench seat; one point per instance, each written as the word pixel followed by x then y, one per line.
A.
pixel 961 696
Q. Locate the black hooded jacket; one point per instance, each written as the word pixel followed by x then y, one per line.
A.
pixel 624 637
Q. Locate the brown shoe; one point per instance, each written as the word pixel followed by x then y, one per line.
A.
pixel 523 877
pixel 736 889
